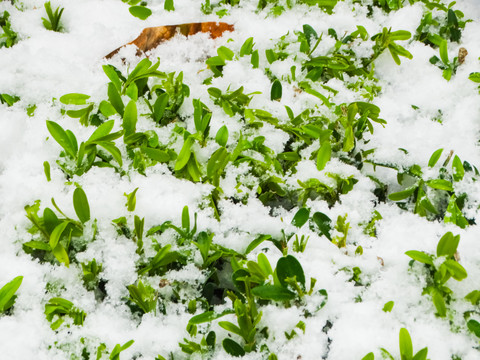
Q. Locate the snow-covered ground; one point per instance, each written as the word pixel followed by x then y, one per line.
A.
pixel 423 112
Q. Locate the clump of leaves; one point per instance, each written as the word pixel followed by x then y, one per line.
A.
pixel 441 21
pixel 406 349
pixel 83 114
pixel 449 67
pixel 441 267
pixel 98 150
pixel 442 187
pixel 143 296
pixel 91 278
pixel 58 309
pixel 57 238
pixel 7 294
pixel 387 40
pixel 8 37
pixel 232 102
pixel 53 21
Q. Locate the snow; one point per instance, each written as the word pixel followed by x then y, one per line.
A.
pixel 44 65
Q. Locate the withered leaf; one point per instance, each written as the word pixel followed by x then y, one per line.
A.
pixel 151 37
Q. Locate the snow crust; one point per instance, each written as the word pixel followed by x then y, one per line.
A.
pixel 46 65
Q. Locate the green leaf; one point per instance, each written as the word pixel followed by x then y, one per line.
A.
pixel 131 200
pixel 369 356
pixel 209 316
pixel 160 106
pixel 56 234
pixel 227 325
pixel 74 99
pixel 272 292
pixel 421 354
pixel 447 245
pixel 475 77
pixel 112 73
pixel 247 47
pixel 289 267
pixel 458 170
pixel 39 245
pixel 215 61
pixel 46 170
pixel 323 156
pixel 420 256
pixel 254 60
pixel 225 53
pixel 440 184
pixel 257 242
pixel 184 155
pixel 62 138
pixel 7 293
pixel 140 12
pixel 276 91
pixel 222 136
pixel 102 130
pixel 301 217
pixel 401 195
pixel 457 271
pixel 473 297
pixel 61 255
pixel 324 224
pixel 264 264
pixel 474 327
pixel 388 306
pixel 106 109
pixel 80 204
pixel 185 218
pixel 132 91
pixel 113 150
pixel 400 35
pixel 130 118
pixel 50 220
pixel 444 52
pixel 406 349
pixel 233 348
pixel 439 303
pixel 115 99
pixel 434 158
pixel 156 154
pixel 169 5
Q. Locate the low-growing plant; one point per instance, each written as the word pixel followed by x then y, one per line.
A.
pixel 449 67
pixel 53 21
pixel 115 353
pixel 387 40
pixel 216 63
pixel 232 102
pixel 440 268
pixel 406 349
pixel 98 150
pixel 83 114
pixel 441 21
pixel 143 296
pixel 58 309
pixel 61 238
pixel 134 85
pixel 442 187
pixel 8 37
pixel 7 294
pixel 92 281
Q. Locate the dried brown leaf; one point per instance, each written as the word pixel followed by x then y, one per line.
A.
pixel 151 37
